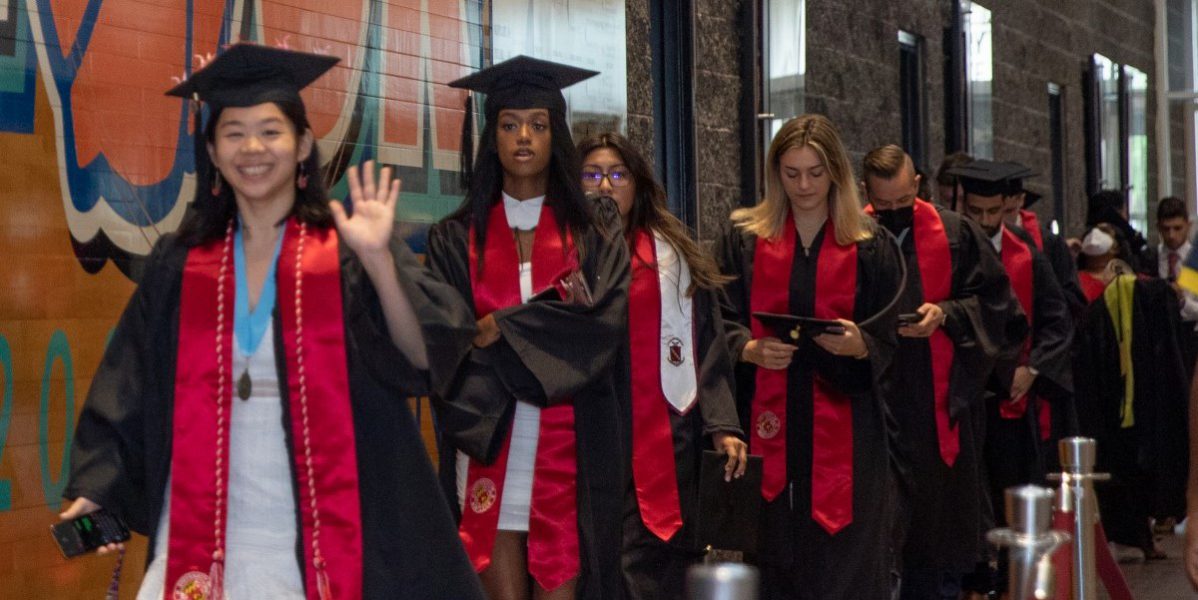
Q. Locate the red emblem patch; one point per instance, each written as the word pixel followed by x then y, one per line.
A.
pixel 483 495
pixel 675 348
pixel 768 425
pixel 193 585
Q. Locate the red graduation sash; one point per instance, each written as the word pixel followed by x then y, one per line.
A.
pixel 553 551
pixel 936 277
pixel 653 469
pixel 321 426
pixel 832 419
pixel 1017 260
pixel 1031 224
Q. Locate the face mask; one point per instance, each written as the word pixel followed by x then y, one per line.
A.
pixel 896 220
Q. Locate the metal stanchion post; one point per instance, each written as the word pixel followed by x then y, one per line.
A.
pixel 1077 498
pixel 722 581
pixel 1030 542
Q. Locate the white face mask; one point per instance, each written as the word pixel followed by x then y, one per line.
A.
pixel 1097 243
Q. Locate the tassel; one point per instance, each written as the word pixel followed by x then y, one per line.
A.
pixel 216 581
pixel 467 170
pixel 114 586
pixel 323 586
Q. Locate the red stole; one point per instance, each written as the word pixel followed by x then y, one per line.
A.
pixel 1017 261
pixel 321 426
pixel 553 552
pixel 1031 224
pixel 936 277
pixel 653 468
pixel 832 443
pixel 1092 287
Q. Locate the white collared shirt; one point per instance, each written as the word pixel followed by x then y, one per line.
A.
pixel 522 214
pixel 1189 305
pixel 996 240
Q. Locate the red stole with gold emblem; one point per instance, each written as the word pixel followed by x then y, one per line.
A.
pixel 553 550
pixel 832 443
pixel 320 426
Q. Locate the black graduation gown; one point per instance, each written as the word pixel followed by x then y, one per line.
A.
pixel 548 351
pixel 943 506
pixel 1063 264
pixel 798 557
pixel 1148 461
pixel 653 568
pixel 1014 452
pixel 122 452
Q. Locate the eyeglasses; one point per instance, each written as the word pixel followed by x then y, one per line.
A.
pixel 617 177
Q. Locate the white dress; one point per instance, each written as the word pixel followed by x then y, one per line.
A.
pixel 260 538
pixel 526 423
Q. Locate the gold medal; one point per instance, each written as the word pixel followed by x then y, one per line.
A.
pixel 244 387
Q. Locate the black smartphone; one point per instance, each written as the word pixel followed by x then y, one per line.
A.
pixel 909 319
pixel 84 534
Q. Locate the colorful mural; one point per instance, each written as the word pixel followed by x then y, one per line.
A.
pixel 98 166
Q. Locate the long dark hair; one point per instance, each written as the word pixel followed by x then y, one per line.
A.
pixel 209 214
pixel 650 211
pixel 564 194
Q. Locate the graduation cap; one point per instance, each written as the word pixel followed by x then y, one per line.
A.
pixel 1030 198
pixel 248 74
pixel 517 83
pixel 789 328
pixel 989 178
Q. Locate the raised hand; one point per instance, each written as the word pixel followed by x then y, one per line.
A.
pixel 368 231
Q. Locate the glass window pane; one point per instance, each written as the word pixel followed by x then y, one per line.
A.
pixel 783 65
pixel 979 67
pixel 1137 146
pixel 1110 144
pixel 582 33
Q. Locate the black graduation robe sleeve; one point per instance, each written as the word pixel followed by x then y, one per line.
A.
pixel 982 318
pixel 730 255
pixel 446 323
pixel 717 400
pixel 563 362
pixel 1052 332
pixel 526 364
pixel 1057 252
pixel 108 452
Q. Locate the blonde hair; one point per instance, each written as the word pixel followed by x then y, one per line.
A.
pixel 766 219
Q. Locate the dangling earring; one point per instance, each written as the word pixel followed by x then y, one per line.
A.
pixel 302 181
pixel 216 183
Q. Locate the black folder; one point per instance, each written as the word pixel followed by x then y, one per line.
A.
pixel 789 328
pixel 729 511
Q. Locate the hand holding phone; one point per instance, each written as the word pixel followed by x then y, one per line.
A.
pixel 906 319
pixel 87 532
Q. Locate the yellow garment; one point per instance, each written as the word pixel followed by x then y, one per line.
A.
pixel 1118 296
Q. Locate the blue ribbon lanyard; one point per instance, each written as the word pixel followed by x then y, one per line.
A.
pixel 249 327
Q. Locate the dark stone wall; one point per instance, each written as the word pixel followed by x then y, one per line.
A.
pixel 853 78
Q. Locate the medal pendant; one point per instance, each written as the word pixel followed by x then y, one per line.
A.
pixel 244 387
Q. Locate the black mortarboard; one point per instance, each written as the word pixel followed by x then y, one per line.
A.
pixel 248 74
pixel 789 328
pixel 251 74
pixel 523 82
pixel 1030 198
pixel 989 178
pixel 517 83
